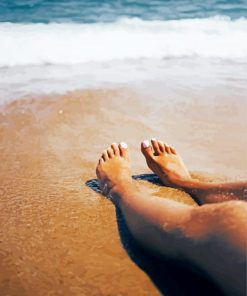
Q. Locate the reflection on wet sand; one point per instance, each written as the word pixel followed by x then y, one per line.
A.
pixel 60 237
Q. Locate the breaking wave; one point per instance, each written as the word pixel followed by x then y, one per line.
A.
pixel 129 38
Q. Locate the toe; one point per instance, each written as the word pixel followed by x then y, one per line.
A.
pixel 173 150
pixel 147 149
pixel 161 146
pixel 101 160
pixel 167 148
pixel 123 148
pixel 110 152
pixel 105 155
pixel 115 149
pixel 155 146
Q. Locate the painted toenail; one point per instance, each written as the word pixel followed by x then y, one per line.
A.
pixel 153 139
pixel 146 144
pixel 123 145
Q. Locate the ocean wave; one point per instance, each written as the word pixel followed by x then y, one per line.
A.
pixel 70 43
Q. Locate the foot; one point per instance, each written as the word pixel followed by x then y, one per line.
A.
pixel 164 161
pixel 113 169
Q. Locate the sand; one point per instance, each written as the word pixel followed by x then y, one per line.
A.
pixel 58 235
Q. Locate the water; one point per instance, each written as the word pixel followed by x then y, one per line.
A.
pixel 46 11
pixel 56 46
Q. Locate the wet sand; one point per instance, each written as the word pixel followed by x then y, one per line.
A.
pixel 59 236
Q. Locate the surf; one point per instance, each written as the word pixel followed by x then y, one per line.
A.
pixel 127 38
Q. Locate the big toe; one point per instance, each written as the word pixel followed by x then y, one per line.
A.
pixel 146 149
pixel 123 149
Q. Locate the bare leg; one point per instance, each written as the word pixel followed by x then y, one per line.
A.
pixel 213 237
pixel 164 161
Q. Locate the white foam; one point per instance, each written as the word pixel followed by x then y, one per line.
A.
pixel 176 74
pixel 62 44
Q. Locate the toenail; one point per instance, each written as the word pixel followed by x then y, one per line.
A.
pixel 153 139
pixel 123 145
pixel 146 144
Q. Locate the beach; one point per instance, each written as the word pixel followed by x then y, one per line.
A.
pixel 58 234
pixel 76 76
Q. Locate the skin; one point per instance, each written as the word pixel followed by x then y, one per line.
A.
pixel 165 162
pixel 211 236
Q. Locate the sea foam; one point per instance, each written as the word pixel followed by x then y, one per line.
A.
pixel 70 43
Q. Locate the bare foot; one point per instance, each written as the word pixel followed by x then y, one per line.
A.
pixel 114 169
pixel 164 161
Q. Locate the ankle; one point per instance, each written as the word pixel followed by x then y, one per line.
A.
pixel 122 190
pixel 178 182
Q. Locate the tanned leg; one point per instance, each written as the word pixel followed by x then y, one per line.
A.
pixel 212 237
pixel 164 161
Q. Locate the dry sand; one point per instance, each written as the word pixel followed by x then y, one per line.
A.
pixel 58 235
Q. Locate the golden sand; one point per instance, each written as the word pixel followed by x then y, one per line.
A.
pixel 58 235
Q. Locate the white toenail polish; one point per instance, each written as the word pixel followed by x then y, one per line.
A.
pixel 153 139
pixel 146 144
pixel 123 145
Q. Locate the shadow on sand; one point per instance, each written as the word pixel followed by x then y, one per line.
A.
pixel 171 277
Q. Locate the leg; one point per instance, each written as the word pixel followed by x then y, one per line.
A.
pixel 164 161
pixel 212 237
